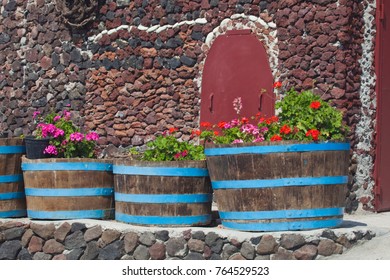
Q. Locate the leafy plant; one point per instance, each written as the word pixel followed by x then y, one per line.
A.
pixel 66 139
pixel 167 147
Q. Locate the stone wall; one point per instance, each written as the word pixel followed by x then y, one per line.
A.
pixel 136 70
pixel 73 241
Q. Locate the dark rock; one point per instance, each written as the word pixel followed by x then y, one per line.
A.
pixel 45 231
pixel 75 240
pixel 198 235
pixel 141 253
pixel 329 234
pixel 13 233
pixel 196 245
pixel 113 251
pixel 75 55
pixel 27 237
pixel 42 256
pixel 53 247
pixel 62 231
pixel 108 236
pixel 147 238
pixel 247 251
pixel 24 255
pixel 74 254
pixel 78 226
pixel 217 246
pixel 187 61
pixel 326 247
pixel 211 238
pixel 10 6
pixel 215 257
pixel 197 36
pixel 306 252
pixel 157 251
pixel 93 233
pixel 4 38
pixel 282 254
pixel 187 234
pixel 173 43
pixel 255 240
pixel 291 241
pixel 267 245
pixel 176 247
pixel 194 256
pixel 173 63
pixel 10 249
pixel 228 251
pixel 91 252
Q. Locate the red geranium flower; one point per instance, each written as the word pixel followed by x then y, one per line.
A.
pixel 278 84
pixel 276 138
pixel 221 125
pixel 173 129
pixel 315 105
pixel 285 129
pixel 244 120
pixel 313 133
pixel 205 124
pixel 196 132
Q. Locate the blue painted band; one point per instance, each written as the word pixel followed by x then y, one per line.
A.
pixel 11 195
pixel 162 220
pixel 295 225
pixel 11 178
pixel 310 147
pixel 4 150
pixel 163 198
pixel 160 171
pixel 70 192
pixel 13 214
pixel 76 214
pixel 73 166
pixel 282 214
pixel 277 183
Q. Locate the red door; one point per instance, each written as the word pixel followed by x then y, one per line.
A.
pixel 382 164
pixel 236 66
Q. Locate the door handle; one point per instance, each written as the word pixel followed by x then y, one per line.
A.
pixel 260 102
pixel 211 102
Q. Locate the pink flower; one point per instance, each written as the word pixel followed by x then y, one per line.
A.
pixel 184 153
pixel 237 141
pixel 237 105
pixel 67 115
pixel 92 136
pixel 35 114
pixel 56 118
pixel 250 129
pixel 258 139
pixel 76 137
pixel 235 122
pixel 58 132
pixel 51 150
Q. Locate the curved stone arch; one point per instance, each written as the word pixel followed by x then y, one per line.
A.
pixel 265 32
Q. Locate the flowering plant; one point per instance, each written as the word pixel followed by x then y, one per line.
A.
pixel 167 147
pixel 66 139
pixel 303 117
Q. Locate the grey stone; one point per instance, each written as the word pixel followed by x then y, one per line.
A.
pixel 194 256
pixel 162 235
pixel 237 257
pixel 75 240
pixel 326 247
pixel 141 253
pixel 108 236
pixel 196 245
pixel 329 234
pixel 93 233
pixel 127 257
pixel 62 231
pixel 74 254
pixel 215 257
pixel 211 238
pixel 292 241
pixel 247 250
pixel 91 252
pixel 13 233
pixel 187 61
pixel 217 246
pixel 283 254
pixel 4 38
pixel 199 235
pixel 75 55
pixel 45 231
pixel 157 251
pixel 173 43
pixel 176 247
pixel 263 257
pixel 35 244
pixel 255 240
pixel 26 237
pixel 197 36
pixel 174 63
pixel 53 247
pixel 147 238
pixel 24 255
pixel 59 257
pixel 131 241
pixel 113 251
pixel 228 250
pixel 267 245
pixel 306 252
pixel 77 227
pixel 42 256
pixel 10 249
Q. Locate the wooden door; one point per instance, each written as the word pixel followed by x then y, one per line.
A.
pixel 236 66
pixel 382 164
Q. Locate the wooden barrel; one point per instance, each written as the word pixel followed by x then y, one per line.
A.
pixel 279 185
pixel 76 188
pixel 162 193
pixel 12 198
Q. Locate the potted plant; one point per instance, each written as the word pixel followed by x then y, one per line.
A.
pixel 71 183
pixel 12 198
pixel 285 172
pixel 166 185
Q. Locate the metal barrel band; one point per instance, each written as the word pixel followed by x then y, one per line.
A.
pixel 11 178
pixel 71 214
pixel 162 220
pixel 160 171
pixel 5 150
pixel 70 192
pixel 13 213
pixel 11 195
pixel 67 166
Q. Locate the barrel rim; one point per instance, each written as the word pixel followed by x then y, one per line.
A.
pixel 145 163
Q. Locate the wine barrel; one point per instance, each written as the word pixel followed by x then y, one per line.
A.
pixel 12 198
pixel 75 188
pixel 275 186
pixel 174 194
